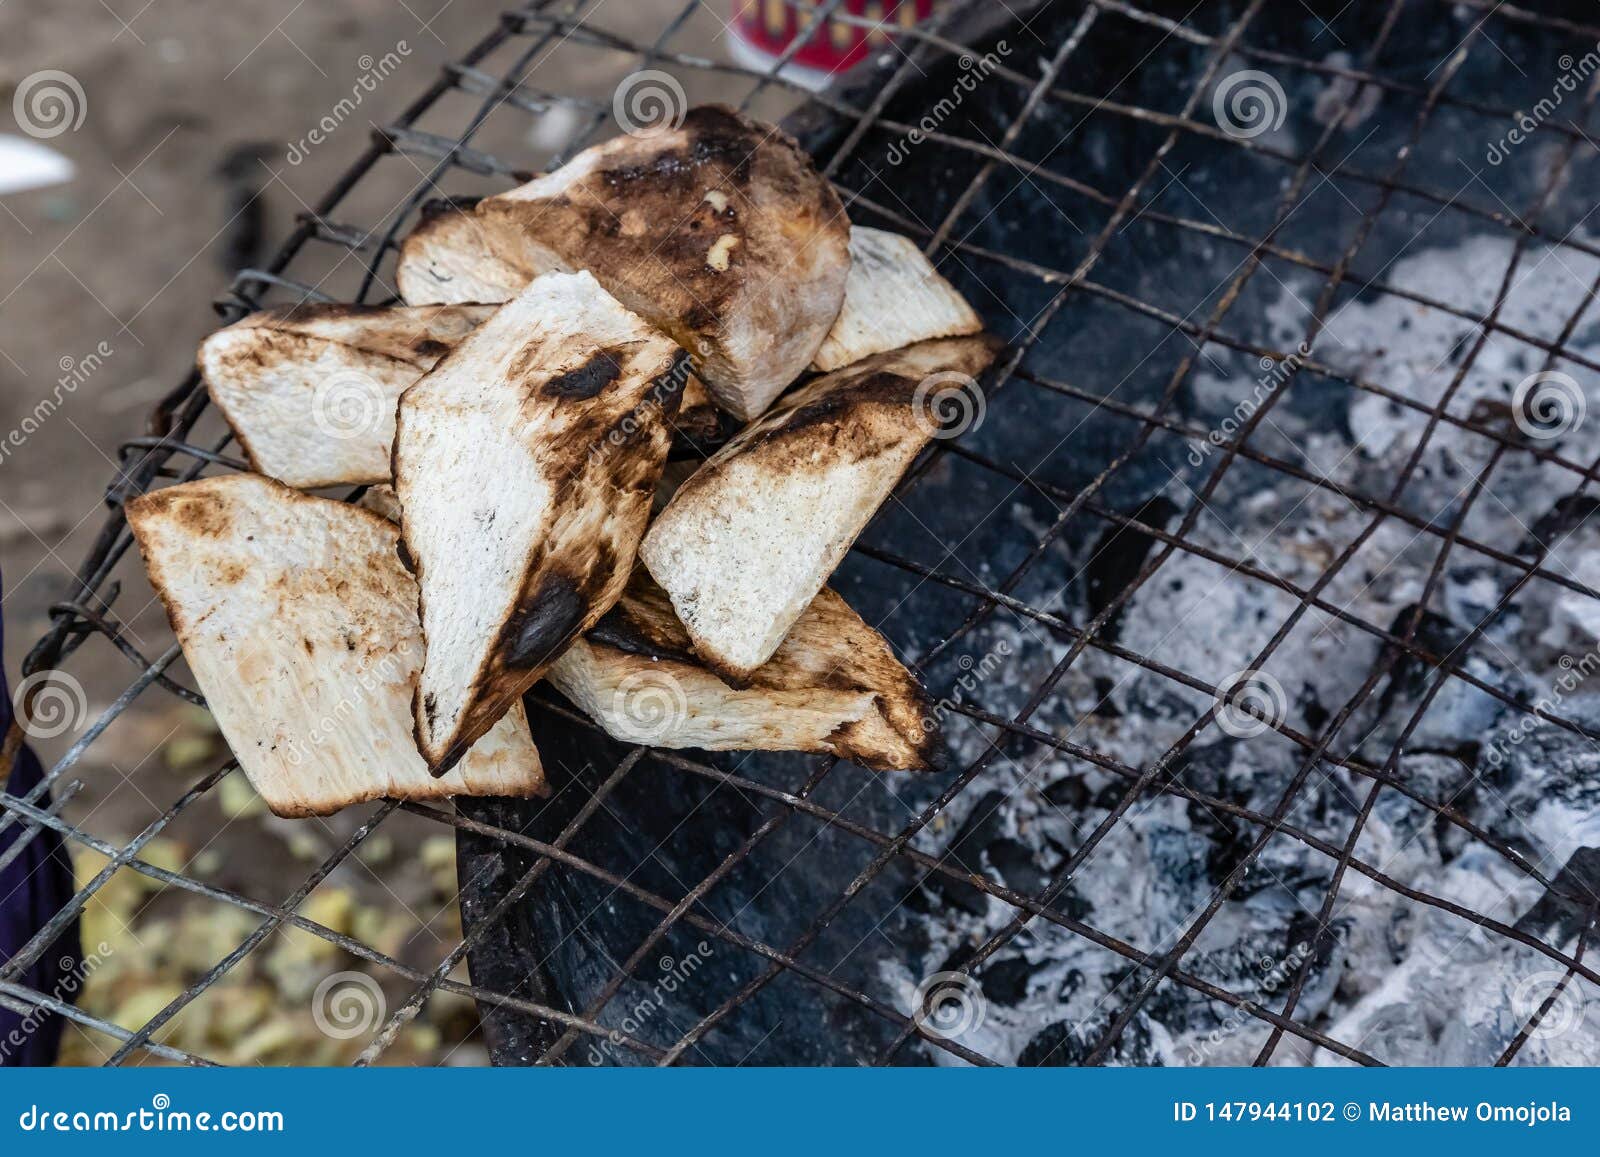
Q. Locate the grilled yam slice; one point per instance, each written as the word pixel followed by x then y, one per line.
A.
pixel 893 297
pixel 525 466
pixel 300 625
pixel 748 541
pixel 833 686
pixel 451 257
pixel 720 232
pixel 311 391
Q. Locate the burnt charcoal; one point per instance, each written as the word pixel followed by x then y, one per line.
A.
pixel 1068 792
pixel 1307 935
pixel 1567 515
pixel 1110 795
pixel 1006 981
pixel 1119 556
pixel 1055 1047
pixel 1569 905
pixel 1071 985
pixel 1015 747
pixel 1411 674
pixel 1227 852
pixel 1546 781
pixel 1105 704
pixel 1311 708
pixel 984 825
pixel 1457 713
pixel 1062 1045
pixel 1018 866
pixel 1205 767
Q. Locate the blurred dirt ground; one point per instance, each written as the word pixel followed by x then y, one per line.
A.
pixel 190 106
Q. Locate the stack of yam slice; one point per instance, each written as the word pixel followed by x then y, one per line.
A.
pixel 692 295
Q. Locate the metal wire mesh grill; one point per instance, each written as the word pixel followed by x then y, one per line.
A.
pixel 415 159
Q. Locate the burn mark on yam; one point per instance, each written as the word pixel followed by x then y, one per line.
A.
pixel 536 634
pixel 587 380
pixel 310 311
pixel 713 137
pixel 618 630
pixel 202 517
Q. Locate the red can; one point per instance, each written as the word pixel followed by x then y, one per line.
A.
pixel 762 29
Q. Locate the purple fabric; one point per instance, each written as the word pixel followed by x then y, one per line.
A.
pixel 33 887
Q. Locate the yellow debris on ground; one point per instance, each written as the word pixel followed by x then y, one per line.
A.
pixel 296 998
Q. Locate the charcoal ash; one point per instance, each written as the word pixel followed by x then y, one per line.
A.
pixel 1402 980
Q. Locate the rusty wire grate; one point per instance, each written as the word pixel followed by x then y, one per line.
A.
pixel 530 35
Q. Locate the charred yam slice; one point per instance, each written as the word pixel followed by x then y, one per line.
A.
pixel 300 625
pixel 749 539
pixel 894 297
pixel 311 394
pixel 720 232
pixel 833 686
pixel 450 257
pixel 311 391
pixel 525 466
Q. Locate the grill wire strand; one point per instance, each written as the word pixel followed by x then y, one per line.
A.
pixel 167 453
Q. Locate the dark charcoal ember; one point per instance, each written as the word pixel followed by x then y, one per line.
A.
pixel 1068 792
pixel 1018 866
pixel 1457 713
pixel 1119 556
pixel 1006 981
pixel 1549 779
pixel 984 825
pixel 1563 519
pixel 1064 1044
pixel 1570 905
